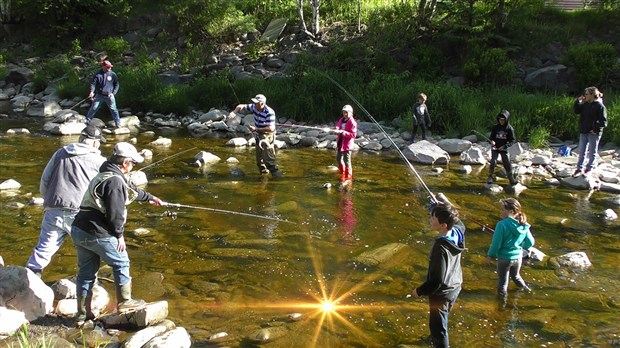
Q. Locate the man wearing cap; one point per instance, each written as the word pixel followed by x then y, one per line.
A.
pixel 98 229
pixel 103 88
pixel 63 183
pixel 265 128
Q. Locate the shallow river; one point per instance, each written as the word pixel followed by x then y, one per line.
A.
pixel 238 274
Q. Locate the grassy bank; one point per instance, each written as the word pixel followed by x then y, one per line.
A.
pixel 310 96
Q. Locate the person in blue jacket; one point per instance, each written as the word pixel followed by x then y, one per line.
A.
pixel 103 88
pixel 512 235
pixel 445 276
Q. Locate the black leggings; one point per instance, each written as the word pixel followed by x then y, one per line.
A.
pixel 505 162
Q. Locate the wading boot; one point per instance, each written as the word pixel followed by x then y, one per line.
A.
pixel 84 308
pixel 123 298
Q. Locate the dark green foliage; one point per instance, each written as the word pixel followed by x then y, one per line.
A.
pixel 114 47
pixel 491 67
pixel 593 63
pixel 56 19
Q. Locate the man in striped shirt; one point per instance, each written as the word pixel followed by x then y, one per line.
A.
pixel 264 130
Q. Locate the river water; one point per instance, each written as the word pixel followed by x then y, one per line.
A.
pixel 238 274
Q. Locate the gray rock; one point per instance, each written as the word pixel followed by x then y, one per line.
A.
pixel 19 76
pixel 379 255
pixel 237 142
pixel 473 155
pixel 17 131
pixel 550 77
pixel 22 290
pixel 454 146
pixel 576 259
pixel 11 321
pixel 427 153
pixel 140 338
pixel 309 142
pixel 150 314
pixel 581 182
pixel 610 215
pixel 207 157
pixel 10 184
pixel 45 109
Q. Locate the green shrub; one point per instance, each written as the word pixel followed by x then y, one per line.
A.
pixel 492 67
pixel 593 63
pixel 539 138
pixel 113 46
pixel 72 86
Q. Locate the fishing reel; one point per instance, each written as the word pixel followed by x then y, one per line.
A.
pixel 170 214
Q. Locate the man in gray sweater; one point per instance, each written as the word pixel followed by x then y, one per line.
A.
pixel 63 183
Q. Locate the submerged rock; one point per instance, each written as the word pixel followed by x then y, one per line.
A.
pixel 379 255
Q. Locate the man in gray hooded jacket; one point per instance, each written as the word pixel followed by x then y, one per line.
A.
pixel 63 183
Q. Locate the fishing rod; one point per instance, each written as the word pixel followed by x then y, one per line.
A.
pixel 164 159
pixel 324 129
pixel 177 205
pixel 402 155
pixel 235 93
pixel 485 227
pixel 484 136
pixel 80 102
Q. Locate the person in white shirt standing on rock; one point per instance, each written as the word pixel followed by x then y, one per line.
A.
pixel 63 183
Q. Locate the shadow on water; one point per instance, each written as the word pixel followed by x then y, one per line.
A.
pixel 225 272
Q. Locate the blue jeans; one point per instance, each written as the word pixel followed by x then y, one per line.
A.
pixel 55 228
pixel 505 268
pixel 110 102
pixel 90 251
pixel 438 319
pixel 588 143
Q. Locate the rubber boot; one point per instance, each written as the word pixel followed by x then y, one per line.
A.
pixel 349 174
pixel 84 308
pixel 340 169
pixel 124 300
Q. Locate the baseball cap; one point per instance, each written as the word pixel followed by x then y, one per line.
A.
pixel 106 63
pixel 127 150
pixel 348 108
pixel 92 132
pixel 259 99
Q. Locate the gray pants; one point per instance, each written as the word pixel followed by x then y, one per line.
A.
pixel 266 152
pixel 507 267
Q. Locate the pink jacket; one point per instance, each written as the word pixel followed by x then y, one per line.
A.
pixel 349 134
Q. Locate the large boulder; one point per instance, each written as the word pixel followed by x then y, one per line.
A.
pixel 473 155
pixel 426 152
pixel 10 321
pixel 47 108
pixel 22 290
pixel 20 76
pixel 454 146
pixel 550 77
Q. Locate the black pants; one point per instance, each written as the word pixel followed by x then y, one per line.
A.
pixel 415 130
pixel 505 162
pixel 438 320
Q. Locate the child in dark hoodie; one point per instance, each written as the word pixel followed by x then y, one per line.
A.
pixel 502 137
pixel 444 277
pixel 512 235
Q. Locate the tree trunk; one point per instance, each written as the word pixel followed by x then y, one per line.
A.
pixel 315 5
pixel 359 16
pixel 501 14
pixel 300 11
pixel 5 11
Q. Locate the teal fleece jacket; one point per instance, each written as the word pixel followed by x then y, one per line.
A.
pixel 509 239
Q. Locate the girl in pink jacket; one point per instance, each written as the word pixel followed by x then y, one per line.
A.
pixel 346 128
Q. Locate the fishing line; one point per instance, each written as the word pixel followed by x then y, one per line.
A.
pixel 177 205
pixel 324 129
pixel 164 159
pixel 402 155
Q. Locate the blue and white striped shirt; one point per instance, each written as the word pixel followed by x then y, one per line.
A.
pixel 264 118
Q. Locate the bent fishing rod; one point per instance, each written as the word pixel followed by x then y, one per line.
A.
pixel 164 159
pixel 402 155
pixel 324 129
pixel 177 205
pixel 80 102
